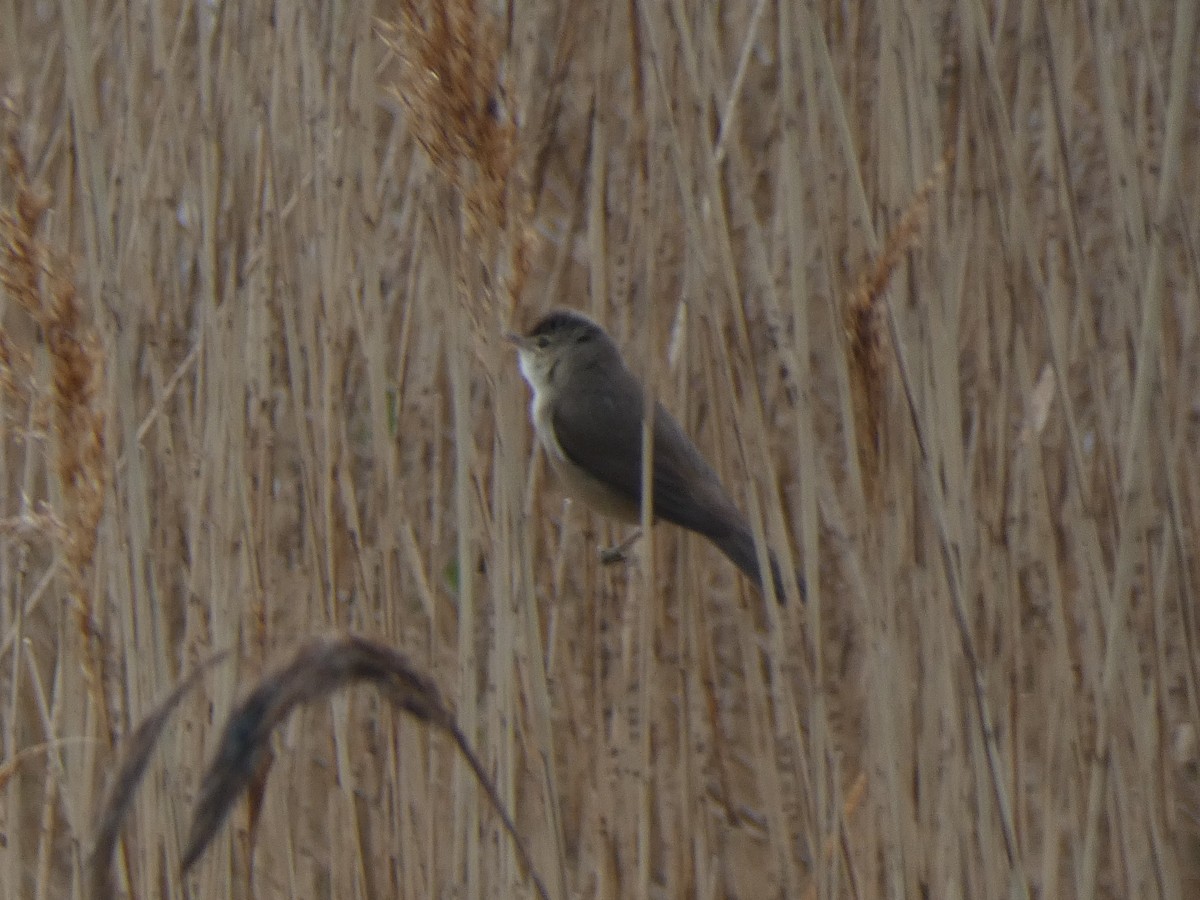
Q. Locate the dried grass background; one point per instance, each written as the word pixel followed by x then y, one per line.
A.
pixel 920 278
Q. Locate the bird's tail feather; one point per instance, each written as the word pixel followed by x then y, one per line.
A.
pixel 739 546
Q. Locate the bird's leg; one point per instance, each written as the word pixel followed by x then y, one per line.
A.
pixel 610 555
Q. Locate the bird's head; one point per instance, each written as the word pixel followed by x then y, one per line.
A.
pixel 557 335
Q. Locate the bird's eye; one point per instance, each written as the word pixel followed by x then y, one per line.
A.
pixel 583 338
pixel 542 341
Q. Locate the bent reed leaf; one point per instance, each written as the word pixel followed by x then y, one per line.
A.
pixel 317 669
pixel 137 749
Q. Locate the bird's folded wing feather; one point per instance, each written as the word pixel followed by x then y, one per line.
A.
pixel 602 434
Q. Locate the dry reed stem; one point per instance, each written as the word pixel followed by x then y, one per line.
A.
pixel 318 669
pixel 952 572
pixel 41 523
pixel 830 844
pixel 12 766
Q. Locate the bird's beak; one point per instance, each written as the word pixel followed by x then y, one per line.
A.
pixel 513 338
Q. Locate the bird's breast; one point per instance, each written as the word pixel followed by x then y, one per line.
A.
pixel 541 412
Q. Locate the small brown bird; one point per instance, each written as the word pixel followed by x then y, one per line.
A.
pixel 587 410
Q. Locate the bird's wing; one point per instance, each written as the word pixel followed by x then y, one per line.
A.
pixel 602 434
pixel 686 489
pixel 600 429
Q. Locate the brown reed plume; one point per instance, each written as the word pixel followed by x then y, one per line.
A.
pixel 449 86
pixel 866 329
pixel 316 670
pixel 460 110
pixel 41 286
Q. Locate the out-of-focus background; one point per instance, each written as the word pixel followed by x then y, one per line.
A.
pixel 920 279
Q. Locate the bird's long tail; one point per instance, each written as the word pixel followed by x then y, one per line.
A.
pixel 738 545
